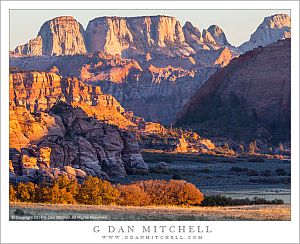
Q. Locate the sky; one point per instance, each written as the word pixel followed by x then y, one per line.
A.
pixel 238 25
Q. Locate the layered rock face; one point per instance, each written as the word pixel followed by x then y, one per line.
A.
pixel 212 38
pixel 39 91
pixel 59 36
pixel 59 122
pixel 273 28
pixel 34 47
pixel 136 35
pixel 157 94
pixel 153 89
pixel 260 78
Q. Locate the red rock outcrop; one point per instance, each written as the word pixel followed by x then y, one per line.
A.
pixel 110 68
pixel 57 122
pixel 67 136
pixel 39 91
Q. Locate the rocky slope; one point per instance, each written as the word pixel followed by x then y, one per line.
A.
pixel 273 28
pixel 61 126
pixel 258 83
pixel 59 36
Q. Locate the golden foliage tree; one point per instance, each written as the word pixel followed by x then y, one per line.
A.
pixel 61 191
pixel 26 192
pixel 173 192
pixel 12 194
pixel 96 192
pixel 132 195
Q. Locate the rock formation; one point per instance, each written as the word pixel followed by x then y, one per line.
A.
pixel 129 37
pixel 59 36
pixel 39 91
pixel 218 35
pixel 151 65
pixel 154 90
pixel 157 94
pixel 66 136
pixel 34 47
pixel 212 38
pixel 57 122
pixel 259 80
pixel 136 35
pixel 272 29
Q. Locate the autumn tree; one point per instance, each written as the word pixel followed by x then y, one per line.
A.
pixel 173 192
pixel 96 192
pixel 12 194
pixel 132 195
pixel 26 192
pixel 61 191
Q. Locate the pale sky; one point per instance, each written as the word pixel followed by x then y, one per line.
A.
pixel 238 25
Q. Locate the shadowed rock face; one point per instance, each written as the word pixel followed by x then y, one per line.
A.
pixel 158 93
pixel 261 78
pixel 51 113
pixel 273 28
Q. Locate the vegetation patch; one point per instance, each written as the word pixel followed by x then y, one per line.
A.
pixel 218 200
pixel 94 191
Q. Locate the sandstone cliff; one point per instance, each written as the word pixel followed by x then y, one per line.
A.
pixel 39 91
pixel 59 36
pixel 125 36
pixel 212 38
pixel 131 36
pixel 34 47
pixel 273 28
pixel 258 82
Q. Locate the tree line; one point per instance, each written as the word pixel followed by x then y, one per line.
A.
pixel 94 191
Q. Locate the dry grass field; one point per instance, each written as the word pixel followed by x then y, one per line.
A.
pixel 29 211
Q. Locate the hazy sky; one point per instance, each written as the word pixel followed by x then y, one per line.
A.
pixel 238 25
